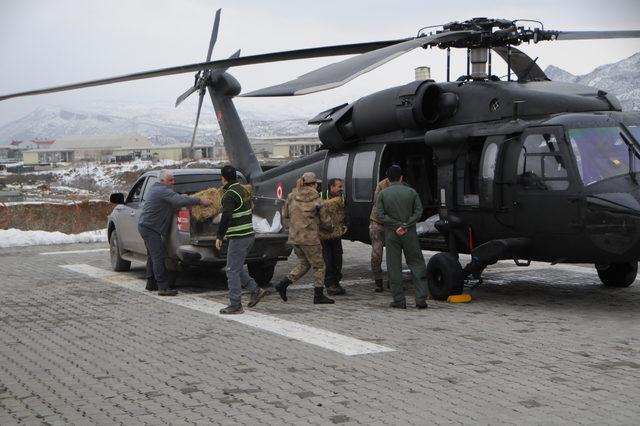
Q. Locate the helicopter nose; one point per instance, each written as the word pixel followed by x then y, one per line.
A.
pixel 613 223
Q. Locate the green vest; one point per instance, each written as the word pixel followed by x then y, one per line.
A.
pixel 240 224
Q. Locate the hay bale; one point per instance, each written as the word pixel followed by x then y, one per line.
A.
pixel 200 212
pixel 335 209
pixel 214 195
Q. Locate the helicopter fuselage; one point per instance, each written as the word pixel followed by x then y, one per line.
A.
pixel 520 184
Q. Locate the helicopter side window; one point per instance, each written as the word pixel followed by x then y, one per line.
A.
pixel 337 167
pixel 363 175
pixel 541 165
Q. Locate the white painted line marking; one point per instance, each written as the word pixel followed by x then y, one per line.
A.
pixel 75 251
pixel 315 336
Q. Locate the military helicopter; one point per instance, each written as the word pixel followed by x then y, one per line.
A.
pixel 524 168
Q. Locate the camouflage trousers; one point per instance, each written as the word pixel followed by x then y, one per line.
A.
pixel 308 257
pixel 376 233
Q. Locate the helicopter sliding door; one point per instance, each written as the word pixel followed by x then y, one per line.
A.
pixel 543 185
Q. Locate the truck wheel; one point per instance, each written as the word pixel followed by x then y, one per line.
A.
pixel 118 264
pixel 262 272
pixel 618 274
pixel 444 276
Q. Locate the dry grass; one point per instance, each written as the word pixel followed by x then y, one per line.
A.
pixel 69 218
pixel 214 195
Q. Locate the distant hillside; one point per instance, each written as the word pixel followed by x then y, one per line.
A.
pixel 620 78
pixel 162 124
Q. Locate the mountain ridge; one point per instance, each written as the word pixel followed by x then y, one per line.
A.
pixel 163 124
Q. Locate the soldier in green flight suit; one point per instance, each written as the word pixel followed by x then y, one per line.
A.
pixel 399 208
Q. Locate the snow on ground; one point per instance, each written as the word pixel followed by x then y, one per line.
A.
pixel 19 238
pixel 105 175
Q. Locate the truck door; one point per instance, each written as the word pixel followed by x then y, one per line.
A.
pixel 128 234
pixel 544 188
pixel 138 242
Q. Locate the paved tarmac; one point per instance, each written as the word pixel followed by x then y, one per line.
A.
pixel 80 344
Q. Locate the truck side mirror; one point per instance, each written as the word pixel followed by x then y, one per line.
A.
pixel 117 198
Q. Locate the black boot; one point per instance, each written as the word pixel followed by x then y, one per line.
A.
pixel 281 287
pixel 319 298
pixel 336 290
pixel 379 286
pixel 152 285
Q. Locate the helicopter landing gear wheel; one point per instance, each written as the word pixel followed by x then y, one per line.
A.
pixel 618 274
pixel 444 276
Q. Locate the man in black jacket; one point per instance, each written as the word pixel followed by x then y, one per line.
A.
pixel 154 225
pixel 236 225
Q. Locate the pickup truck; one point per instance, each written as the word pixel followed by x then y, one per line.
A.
pixel 190 242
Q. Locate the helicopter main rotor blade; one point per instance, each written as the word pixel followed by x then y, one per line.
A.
pixel 235 54
pixel 594 35
pixel 186 94
pixel 339 73
pixel 522 65
pixel 214 34
pixel 288 55
pixel 195 128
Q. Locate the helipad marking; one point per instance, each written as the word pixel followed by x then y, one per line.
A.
pixel 74 251
pixel 292 330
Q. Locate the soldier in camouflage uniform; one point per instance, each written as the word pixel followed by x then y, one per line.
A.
pixel 305 215
pixel 376 233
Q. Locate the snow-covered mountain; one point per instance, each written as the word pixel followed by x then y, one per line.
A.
pixel 164 124
pixel 620 78
pixel 161 123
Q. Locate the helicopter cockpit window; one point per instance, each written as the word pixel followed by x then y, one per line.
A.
pixel 600 152
pixel 541 165
pixel 363 176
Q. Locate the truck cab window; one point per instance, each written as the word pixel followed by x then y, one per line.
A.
pixel 150 181
pixel 135 194
pixel 541 165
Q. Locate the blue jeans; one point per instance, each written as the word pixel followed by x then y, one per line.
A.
pixel 237 277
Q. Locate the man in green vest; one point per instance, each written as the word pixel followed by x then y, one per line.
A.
pixel 399 208
pixel 236 225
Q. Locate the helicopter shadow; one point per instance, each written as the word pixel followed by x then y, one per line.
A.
pixel 582 294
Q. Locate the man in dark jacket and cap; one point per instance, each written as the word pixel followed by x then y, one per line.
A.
pixel 237 227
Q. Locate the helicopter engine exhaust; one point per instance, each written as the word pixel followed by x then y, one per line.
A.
pixel 416 106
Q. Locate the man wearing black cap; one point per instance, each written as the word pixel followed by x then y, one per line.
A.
pixel 236 225
pixel 399 208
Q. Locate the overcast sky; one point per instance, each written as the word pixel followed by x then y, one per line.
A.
pixel 49 42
